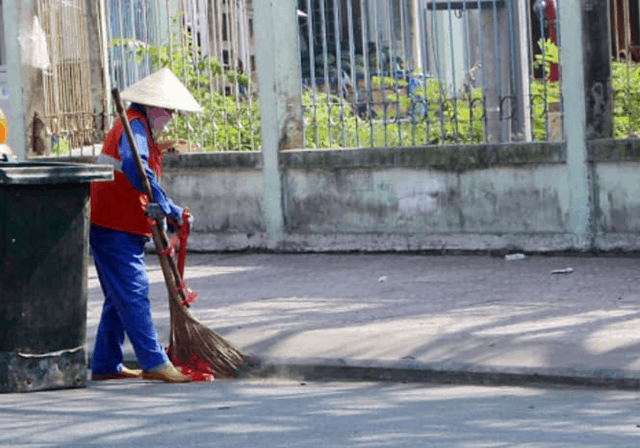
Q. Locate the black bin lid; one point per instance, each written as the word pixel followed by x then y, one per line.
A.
pixel 41 173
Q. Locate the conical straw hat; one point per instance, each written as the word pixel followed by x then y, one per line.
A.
pixel 162 89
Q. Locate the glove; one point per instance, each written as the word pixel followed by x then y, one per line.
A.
pixel 155 212
pixel 186 217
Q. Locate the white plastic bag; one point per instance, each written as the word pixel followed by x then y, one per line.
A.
pixel 33 42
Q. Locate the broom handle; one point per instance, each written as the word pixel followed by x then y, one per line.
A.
pixel 170 271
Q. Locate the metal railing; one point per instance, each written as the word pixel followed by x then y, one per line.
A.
pixel 69 120
pixel 208 45
pixel 411 72
pixel 625 69
pixel 374 72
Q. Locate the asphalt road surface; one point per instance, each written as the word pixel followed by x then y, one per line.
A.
pixel 279 413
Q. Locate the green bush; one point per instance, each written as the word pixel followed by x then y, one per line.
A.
pixel 626 100
pixel 544 93
pixel 427 116
pixel 625 83
pixel 226 123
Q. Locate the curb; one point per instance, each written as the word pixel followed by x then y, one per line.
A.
pixel 415 372
pixel 410 371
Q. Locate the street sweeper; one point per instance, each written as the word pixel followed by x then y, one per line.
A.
pixel 121 219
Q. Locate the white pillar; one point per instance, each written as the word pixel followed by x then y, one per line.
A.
pixel 279 81
pixel 586 87
pixel 16 15
pixel 523 111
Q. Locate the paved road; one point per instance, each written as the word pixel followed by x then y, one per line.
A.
pixel 283 414
pixel 415 313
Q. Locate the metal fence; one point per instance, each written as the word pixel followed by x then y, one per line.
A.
pixel 68 119
pixel 208 45
pixel 411 72
pixel 374 72
pixel 625 69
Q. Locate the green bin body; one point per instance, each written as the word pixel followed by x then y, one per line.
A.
pixel 44 253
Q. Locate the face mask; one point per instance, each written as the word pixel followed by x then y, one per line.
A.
pixel 159 117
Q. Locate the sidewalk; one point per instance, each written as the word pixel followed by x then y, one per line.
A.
pixel 458 318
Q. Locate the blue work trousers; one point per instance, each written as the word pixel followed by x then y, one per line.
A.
pixel 119 260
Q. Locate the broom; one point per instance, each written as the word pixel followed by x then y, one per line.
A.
pixel 188 337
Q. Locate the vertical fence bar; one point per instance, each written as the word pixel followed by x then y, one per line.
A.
pixel 170 33
pixel 223 24
pixel 110 58
pixel 426 71
pixel 158 28
pixel 174 123
pixel 187 63
pixel 312 69
pixel 405 66
pixel 453 74
pixel 436 54
pixel 56 60
pixel 381 72
pixel 337 36
pixel 364 13
pixel 616 27
pixel 559 37
pixel 531 45
pixel 390 28
pixel 249 73
pixel 198 54
pixel 627 49
pixel 541 11
pixel 325 63
pixel 67 61
pixel 146 59
pixel 484 73
pixel 513 89
pixel 303 109
pixel 498 59
pixel 469 81
pixel 135 73
pixel 354 71
pixel 216 22
pixel 214 125
pixel 234 39
pixel 408 38
pixel 222 141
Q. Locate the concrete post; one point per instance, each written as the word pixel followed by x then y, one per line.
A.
pixel 522 128
pixel 586 84
pixel 99 64
pixel 495 30
pixel 597 69
pixel 279 82
pixel 414 35
pixel 16 15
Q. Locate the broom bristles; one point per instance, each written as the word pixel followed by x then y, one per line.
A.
pixel 189 336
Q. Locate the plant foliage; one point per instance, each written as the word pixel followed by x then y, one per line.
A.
pixel 230 121
pixel 387 112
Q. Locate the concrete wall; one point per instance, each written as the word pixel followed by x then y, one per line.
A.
pixel 224 192
pixel 402 199
pixel 616 165
pixel 510 197
pixel 17 16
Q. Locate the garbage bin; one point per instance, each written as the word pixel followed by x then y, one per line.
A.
pixel 44 252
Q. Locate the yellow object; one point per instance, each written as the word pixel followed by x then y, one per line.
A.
pixel 4 127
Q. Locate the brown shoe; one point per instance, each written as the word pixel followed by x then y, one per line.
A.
pixel 124 374
pixel 168 375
